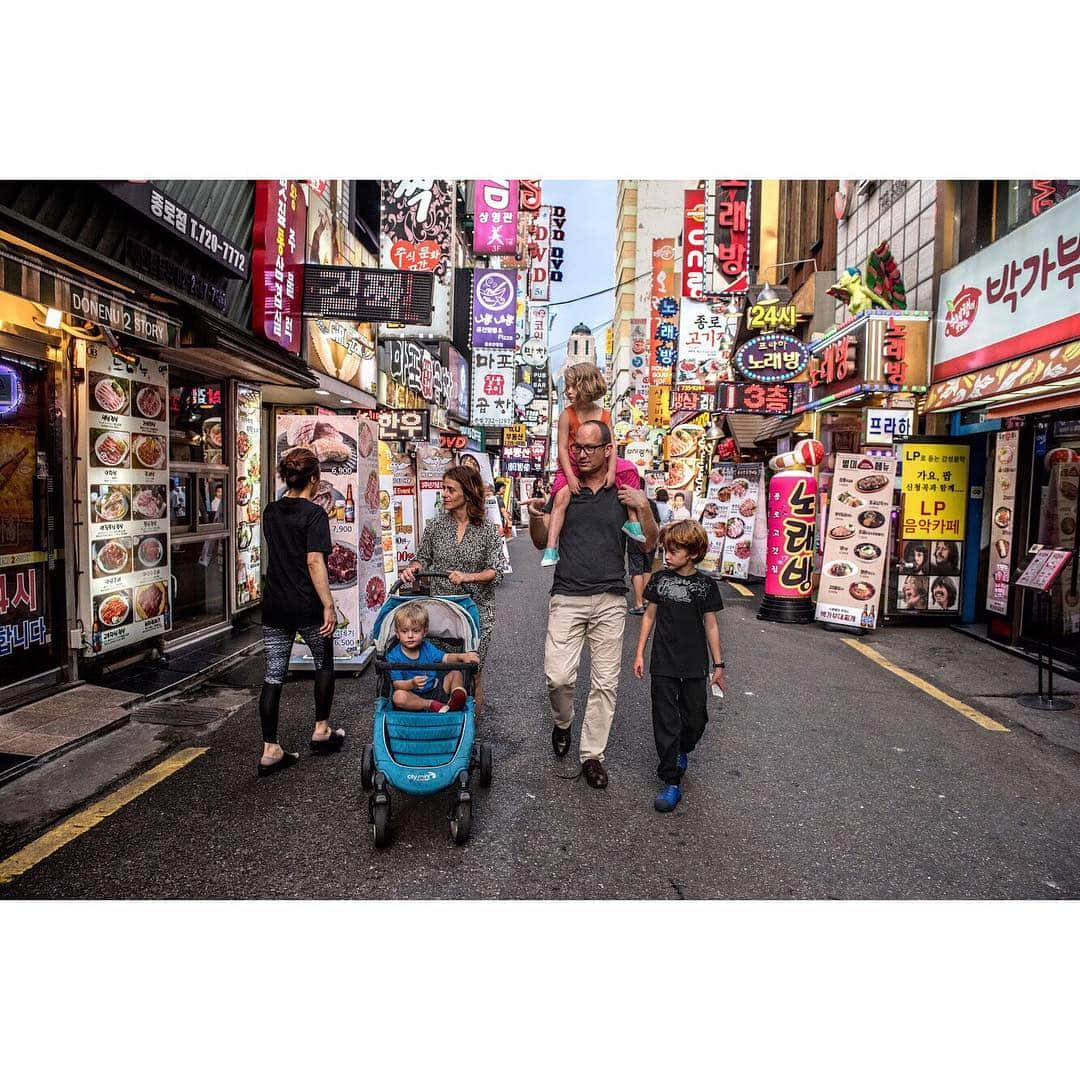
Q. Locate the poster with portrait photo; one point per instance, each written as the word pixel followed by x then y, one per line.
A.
pixel 914 557
pixel 912 592
pixel 944 594
pixel 944 557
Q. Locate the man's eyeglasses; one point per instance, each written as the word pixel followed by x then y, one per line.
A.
pixel 588 448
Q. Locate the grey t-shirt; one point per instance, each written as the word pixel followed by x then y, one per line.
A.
pixel 592 547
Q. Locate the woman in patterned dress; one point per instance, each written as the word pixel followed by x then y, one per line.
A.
pixel 460 542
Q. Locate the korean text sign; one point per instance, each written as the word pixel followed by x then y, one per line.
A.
pixel 934 484
pixel 277 260
pixel 789 559
pixel 856 540
pixel 495 213
pixel 1006 453
pixel 493 375
pixel 665 312
pixel 494 309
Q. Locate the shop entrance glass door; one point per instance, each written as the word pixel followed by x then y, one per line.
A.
pixel 33 596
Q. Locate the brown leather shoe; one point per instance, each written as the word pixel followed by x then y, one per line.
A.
pixel 560 740
pixel 595 773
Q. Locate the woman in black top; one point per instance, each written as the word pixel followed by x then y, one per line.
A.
pixel 297 600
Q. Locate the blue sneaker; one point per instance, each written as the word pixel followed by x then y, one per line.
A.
pixel 550 557
pixel 634 530
pixel 668 799
pixel 684 760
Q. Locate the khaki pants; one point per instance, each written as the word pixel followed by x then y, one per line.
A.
pixel 573 620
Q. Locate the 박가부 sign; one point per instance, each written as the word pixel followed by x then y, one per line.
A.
pixel 934 484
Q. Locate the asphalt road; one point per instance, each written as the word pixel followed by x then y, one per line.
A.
pixel 822 776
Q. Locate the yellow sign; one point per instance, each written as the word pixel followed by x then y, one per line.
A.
pixel 771 317
pixel 659 406
pixel 514 435
pixel 934 484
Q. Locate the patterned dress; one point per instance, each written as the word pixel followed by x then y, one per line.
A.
pixel 481 548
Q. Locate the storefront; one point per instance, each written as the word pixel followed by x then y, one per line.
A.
pixel 1007 377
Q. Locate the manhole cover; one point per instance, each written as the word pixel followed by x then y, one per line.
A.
pixel 177 714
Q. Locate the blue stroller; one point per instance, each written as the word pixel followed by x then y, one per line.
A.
pixel 421 753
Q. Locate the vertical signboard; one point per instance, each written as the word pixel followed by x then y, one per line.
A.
pixel 1001 521
pixel 406 539
pixel 540 256
pixel 789 562
pixel 493 375
pixel 934 489
pixel 248 510
pixel 431 465
pixel 367 510
pixel 494 309
pixel 495 216
pixel 277 262
pixel 124 593
pixel 386 513
pixel 728 250
pixel 417 233
pixel 558 238
pixel 664 326
pixel 856 540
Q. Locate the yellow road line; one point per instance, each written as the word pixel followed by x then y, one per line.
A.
pixel 55 839
pixel 742 589
pixel 967 711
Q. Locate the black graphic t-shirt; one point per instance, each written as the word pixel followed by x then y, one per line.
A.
pixel 680 649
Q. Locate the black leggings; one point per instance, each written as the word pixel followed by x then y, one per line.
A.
pixel 277 644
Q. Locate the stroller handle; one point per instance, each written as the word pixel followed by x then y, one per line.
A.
pixel 397 587
pixel 383 665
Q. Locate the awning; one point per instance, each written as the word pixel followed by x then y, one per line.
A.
pixel 744 429
pixel 83 297
pixel 776 427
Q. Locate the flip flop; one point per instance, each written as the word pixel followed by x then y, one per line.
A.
pixel 286 761
pixel 328 746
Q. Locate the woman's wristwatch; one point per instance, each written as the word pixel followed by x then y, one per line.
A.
pixel 719 664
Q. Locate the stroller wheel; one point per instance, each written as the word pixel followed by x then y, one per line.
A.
pixel 380 824
pixel 461 822
pixel 367 768
pixel 485 765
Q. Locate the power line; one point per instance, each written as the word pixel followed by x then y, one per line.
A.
pixel 589 296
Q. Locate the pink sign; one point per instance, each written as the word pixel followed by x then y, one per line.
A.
pixel 789 563
pixel 277 279
pixel 495 217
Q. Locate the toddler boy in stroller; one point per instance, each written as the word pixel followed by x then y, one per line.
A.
pixel 420 691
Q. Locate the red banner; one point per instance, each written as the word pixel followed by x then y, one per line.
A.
pixel 277 259
pixel 693 244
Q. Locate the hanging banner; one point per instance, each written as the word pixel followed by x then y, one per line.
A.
pixel 386 514
pixel 417 233
pixel 789 566
pixel 124 471
pixel 493 376
pixel 248 510
pixel 277 262
pixel 664 323
pixel 705 341
pixel 693 245
pixel 558 238
pixel 494 306
pixel 540 256
pixel 495 217
pixel 1006 451
pixel 856 540
pixel 338 348
pixel 727 248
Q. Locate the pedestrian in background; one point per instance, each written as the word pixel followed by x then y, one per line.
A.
pixel 686 654
pixel 663 506
pixel 297 600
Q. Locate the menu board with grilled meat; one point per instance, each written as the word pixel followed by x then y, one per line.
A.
pixel 248 516
pixel 124 461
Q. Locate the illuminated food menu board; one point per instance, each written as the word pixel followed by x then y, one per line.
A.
pixel 124 585
pixel 248 495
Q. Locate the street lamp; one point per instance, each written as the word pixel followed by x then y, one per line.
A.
pixel 769 295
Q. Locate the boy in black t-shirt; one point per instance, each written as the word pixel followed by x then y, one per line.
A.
pixel 683 603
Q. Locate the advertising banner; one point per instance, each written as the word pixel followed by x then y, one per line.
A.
pixel 277 262
pixel 334 440
pixel 248 511
pixel 1003 507
pixel 934 485
pixel 693 245
pixel 704 343
pixel 521 309
pixel 125 595
pixel 775 399
pixel 540 256
pixel 386 514
pixel 431 465
pixel 715 511
pixel 495 216
pixel 403 501
pixel 789 563
pixel 772 358
pixel 1014 297
pixel 417 233
pixel 343 350
pixel 664 322
pixel 368 512
pixel 494 309
pixel 747 491
pixel 493 377
pixel 558 238
pixel 856 540
pixel 417 367
pixel 727 249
